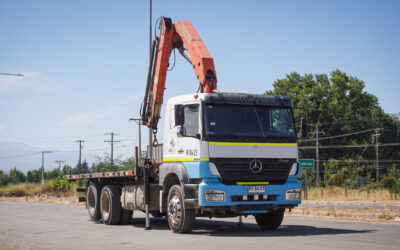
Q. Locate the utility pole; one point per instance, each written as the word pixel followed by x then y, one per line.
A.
pixel 112 147
pixel 59 164
pixel 139 122
pixel 43 152
pixel 376 135
pixel 316 133
pixel 80 155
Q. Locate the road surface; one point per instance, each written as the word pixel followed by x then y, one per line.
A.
pixel 51 226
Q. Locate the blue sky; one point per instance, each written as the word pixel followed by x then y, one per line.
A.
pixel 85 62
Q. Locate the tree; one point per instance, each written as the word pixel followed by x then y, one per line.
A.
pixel 16 176
pixel 340 105
pixel 67 169
pixel 85 167
pixel 4 180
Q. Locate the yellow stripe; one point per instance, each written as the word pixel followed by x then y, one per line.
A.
pixel 252 183
pixel 178 159
pixel 253 144
pixel 185 159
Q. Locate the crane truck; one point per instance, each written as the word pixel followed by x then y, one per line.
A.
pixel 225 154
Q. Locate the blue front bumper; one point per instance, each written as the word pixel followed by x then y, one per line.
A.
pixel 211 182
pixel 279 191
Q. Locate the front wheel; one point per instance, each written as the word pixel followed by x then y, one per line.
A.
pixel 180 220
pixel 270 220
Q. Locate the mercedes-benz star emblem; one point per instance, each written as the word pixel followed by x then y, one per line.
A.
pixel 255 166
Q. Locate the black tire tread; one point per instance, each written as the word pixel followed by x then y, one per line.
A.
pixel 270 221
pixel 188 215
pixel 126 217
pixel 97 188
pixel 115 208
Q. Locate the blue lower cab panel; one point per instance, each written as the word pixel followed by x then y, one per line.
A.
pixel 255 211
pixel 234 194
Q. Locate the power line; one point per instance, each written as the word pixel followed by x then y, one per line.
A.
pixel 20 156
pixel 353 146
pixel 49 138
pixel 358 161
pixel 338 136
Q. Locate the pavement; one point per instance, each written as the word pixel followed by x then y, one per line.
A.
pixel 55 226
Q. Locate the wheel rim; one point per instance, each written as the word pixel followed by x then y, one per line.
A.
pixel 175 210
pixel 105 206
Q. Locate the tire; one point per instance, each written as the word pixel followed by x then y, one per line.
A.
pixel 110 205
pixel 126 217
pixel 93 201
pixel 180 220
pixel 270 221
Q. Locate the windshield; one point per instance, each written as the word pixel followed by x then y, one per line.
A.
pixel 245 121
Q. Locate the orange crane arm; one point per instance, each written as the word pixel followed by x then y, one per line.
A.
pixel 175 36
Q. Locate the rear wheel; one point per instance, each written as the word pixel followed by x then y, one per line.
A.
pixel 93 201
pixel 180 220
pixel 110 205
pixel 270 220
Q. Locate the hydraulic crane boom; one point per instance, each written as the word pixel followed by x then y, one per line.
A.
pixel 175 36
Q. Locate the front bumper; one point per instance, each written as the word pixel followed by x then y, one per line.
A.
pixel 278 192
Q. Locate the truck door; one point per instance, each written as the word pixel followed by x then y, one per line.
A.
pixel 189 141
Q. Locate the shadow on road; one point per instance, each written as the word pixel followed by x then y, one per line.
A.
pixel 227 228
pixel 224 228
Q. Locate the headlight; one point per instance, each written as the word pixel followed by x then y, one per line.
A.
pixel 215 196
pixel 293 194
pixel 213 169
pixel 293 170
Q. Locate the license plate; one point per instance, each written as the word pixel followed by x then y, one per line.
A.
pixel 256 189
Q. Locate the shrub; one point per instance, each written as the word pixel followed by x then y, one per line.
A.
pixel 60 184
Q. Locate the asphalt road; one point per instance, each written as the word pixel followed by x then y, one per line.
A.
pixel 50 226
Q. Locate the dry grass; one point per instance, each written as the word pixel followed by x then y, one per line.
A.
pixel 368 214
pixel 31 189
pixel 339 194
pixel 47 199
pixel 24 189
pixel 6 246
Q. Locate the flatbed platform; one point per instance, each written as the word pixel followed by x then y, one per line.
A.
pixel 114 174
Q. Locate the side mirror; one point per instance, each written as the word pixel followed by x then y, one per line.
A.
pixel 304 128
pixel 179 115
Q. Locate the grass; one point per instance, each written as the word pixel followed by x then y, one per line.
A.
pixel 367 214
pixel 32 189
pixel 340 194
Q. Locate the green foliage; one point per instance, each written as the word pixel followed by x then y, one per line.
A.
pixel 60 184
pixel 340 105
pixel 33 176
pixel 52 174
pixel 104 165
pixel 16 176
